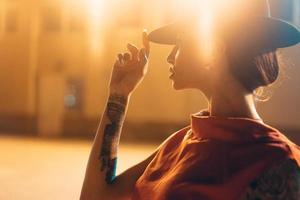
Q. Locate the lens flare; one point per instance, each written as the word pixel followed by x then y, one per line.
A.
pixel 95 12
pixel 204 14
pixel 206 29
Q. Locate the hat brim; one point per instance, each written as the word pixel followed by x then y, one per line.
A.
pixel 266 32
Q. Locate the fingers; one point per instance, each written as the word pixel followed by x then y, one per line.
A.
pixel 146 43
pixel 120 58
pixel 136 55
pixel 134 51
pixel 123 59
pixel 143 61
pixel 126 57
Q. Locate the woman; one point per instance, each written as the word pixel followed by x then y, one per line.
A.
pixel 227 152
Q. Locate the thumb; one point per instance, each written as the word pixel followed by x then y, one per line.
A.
pixel 146 43
pixel 142 56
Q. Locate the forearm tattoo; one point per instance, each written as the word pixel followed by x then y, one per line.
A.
pixel 115 112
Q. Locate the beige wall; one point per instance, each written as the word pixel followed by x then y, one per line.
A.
pixel 30 54
pixel 14 56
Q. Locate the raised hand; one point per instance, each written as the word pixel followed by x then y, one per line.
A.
pixel 130 68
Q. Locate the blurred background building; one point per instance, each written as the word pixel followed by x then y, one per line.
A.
pixel 55 62
pixel 56 58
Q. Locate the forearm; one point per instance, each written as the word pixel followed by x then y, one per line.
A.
pixel 128 71
pixel 101 168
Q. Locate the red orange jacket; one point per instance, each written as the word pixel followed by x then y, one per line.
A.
pixel 216 158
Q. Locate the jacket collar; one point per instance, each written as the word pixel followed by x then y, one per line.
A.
pixel 229 128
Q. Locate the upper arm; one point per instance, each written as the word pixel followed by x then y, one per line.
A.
pixel 123 185
pixel 125 181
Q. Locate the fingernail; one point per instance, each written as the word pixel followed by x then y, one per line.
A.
pixel 145 34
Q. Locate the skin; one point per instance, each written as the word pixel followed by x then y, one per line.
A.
pixel 226 97
pixel 191 70
pixel 101 181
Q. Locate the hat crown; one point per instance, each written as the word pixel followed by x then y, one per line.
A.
pixel 244 9
pixel 246 22
pixel 261 7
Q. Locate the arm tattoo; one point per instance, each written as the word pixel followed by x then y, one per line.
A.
pixel 115 112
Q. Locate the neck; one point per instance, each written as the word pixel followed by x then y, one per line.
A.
pixel 231 100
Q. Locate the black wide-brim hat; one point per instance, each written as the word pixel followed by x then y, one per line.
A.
pixel 255 27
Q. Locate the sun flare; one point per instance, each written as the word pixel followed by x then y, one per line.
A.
pixel 95 13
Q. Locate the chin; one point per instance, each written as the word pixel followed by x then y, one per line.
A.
pixel 183 85
pixel 178 86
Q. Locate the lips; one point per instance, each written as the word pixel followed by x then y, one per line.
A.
pixel 171 76
pixel 172 70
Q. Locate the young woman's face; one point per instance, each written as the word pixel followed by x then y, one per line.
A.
pixel 189 67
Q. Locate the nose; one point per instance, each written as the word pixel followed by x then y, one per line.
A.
pixel 171 57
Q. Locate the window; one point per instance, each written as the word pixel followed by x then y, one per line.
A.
pixel 76 23
pixel 11 20
pixel 77 20
pixel 73 95
pixel 9 16
pixel 1 18
pixel 51 19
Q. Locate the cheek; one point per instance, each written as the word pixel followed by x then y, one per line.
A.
pixel 191 67
pixel 191 71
